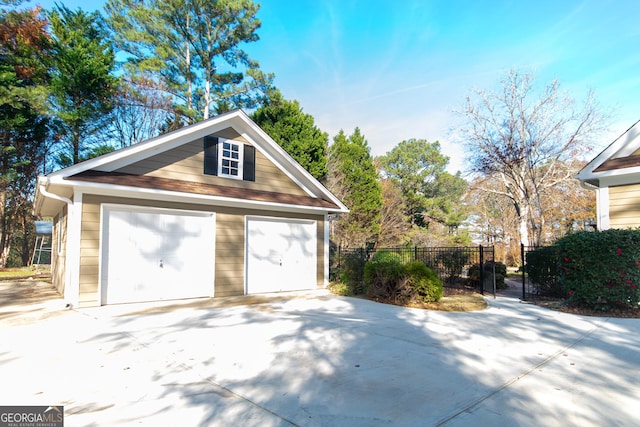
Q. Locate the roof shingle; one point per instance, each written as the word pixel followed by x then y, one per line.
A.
pixel 158 183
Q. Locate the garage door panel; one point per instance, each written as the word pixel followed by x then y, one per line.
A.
pixel 281 255
pixel 154 254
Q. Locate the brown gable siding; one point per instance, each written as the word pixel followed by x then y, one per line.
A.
pixel 156 183
pixel 620 163
pixel 186 163
pixel 229 274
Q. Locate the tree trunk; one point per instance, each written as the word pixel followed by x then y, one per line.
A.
pixel 27 248
pixel 188 64
pixel 207 98
pixel 523 210
pixel 3 230
pixel 76 146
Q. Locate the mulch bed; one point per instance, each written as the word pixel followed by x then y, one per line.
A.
pixel 560 304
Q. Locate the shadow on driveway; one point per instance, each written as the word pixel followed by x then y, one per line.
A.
pixel 314 359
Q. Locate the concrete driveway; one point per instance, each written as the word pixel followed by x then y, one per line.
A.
pixel 314 359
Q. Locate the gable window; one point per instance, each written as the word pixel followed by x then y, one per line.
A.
pixel 229 158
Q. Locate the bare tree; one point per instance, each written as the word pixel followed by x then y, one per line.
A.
pixel 521 137
pixel 394 224
pixel 140 111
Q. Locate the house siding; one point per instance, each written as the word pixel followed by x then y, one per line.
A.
pixel 186 162
pixel 624 206
pixel 89 253
pixel 230 243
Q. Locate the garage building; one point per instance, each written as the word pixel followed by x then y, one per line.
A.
pixel 213 209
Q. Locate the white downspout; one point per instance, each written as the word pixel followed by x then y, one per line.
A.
pixel 72 285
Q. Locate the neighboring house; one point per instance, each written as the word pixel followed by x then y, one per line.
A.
pixel 615 176
pixel 213 209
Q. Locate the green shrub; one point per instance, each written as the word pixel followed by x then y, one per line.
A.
pixel 388 279
pixel 423 281
pixel 601 270
pixel 382 274
pixel 351 271
pixel 340 288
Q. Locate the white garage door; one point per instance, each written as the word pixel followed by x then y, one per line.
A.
pixel 281 255
pixel 153 254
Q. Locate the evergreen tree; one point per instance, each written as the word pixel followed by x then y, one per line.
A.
pixel 296 132
pixel 430 192
pixel 194 51
pixel 353 179
pixel 24 45
pixel 82 82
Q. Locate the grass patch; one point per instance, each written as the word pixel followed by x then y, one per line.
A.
pixel 455 299
pixel 22 273
pixel 462 302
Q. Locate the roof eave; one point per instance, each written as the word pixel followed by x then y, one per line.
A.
pixel 181 197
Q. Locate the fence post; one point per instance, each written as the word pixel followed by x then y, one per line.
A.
pixel 481 270
pixel 522 259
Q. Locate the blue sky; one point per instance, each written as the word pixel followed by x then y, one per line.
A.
pixel 398 69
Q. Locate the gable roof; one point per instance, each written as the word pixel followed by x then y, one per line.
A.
pixel 616 163
pixel 100 173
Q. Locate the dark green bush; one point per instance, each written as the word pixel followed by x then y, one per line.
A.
pixel 382 274
pixel 601 270
pixel 350 272
pixel 423 281
pixel 388 279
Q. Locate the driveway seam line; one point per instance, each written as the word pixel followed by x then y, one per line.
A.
pixel 597 325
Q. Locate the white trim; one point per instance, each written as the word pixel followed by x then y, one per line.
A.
pixel 125 156
pixel 175 196
pixel 602 203
pixel 72 258
pixel 59 231
pixel 268 155
pixel 105 207
pixel 326 244
pixel 239 160
pixel 620 179
pixel 622 146
pixel 301 172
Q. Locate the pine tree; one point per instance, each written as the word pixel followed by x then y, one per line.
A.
pixel 353 178
pixel 193 49
pixel 82 83
pixel 24 46
pixel 296 132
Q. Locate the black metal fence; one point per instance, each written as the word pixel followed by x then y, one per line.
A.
pixel 455 266
pixel 539 277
